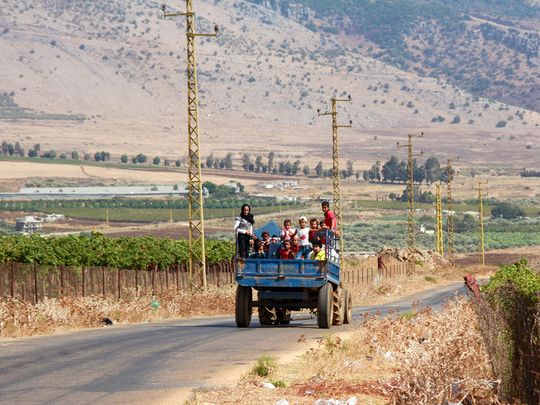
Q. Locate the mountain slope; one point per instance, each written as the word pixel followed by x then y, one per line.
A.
pixel 490 47
pixel 121 65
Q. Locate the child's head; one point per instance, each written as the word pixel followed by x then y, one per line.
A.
pixel 313 223
pixel 302 221
pixel 287 223
pixel 323 225
pixel 258 246
pixel 296 239
pixel 287 245
pixel 251 242
pixel 265 235
pixel 317 246
pixel 325 205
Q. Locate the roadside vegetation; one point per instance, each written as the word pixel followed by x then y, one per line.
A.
pixel 420 358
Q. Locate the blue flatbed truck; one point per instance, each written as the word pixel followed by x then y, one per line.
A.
pixel 283 286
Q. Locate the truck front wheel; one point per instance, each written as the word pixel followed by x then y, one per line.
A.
pixel 243 306
pixel 324 306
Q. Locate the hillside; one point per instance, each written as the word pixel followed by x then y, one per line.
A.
pixel 489 47
pixel 109 75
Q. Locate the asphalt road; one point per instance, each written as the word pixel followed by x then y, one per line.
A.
pixel 158 362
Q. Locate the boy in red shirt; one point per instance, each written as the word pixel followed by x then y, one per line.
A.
pixel 329 217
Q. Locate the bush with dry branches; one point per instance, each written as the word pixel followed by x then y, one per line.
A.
pixel 19 318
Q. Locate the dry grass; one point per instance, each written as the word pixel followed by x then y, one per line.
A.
pixel 420 358
pixel 24 319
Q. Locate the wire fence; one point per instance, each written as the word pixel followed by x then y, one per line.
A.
pixel 33 283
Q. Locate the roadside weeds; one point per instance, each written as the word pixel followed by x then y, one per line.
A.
pixel 424 358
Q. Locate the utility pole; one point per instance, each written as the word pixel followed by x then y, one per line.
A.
pixel 197 263
pixel 335 167
pixel 450 215
pixel 410 188
pixel 439 240
pixel 481 222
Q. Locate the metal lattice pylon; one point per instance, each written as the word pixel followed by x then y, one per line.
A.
pixel 336 173
pixel 439 240
pixel 481 223
pixel 197 262
pixel 410 189
pixel 450 215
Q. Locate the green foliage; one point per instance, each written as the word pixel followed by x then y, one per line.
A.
pixel 10 110
pixel 507 211
pixel 264 366
pixel 518 275
pixel 101 251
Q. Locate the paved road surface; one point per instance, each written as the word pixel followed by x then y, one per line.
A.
pixel 158 362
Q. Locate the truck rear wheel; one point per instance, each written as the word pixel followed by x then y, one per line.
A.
pixel 266 316
pixel 347 303
pixel 283 316
pixel 324 306
pixel 338 307
pixel 243 306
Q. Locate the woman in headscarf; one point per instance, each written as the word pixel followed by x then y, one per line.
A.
pixel 243 227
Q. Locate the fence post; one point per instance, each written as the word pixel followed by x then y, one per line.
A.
pixel 12 280
pixel 61 281
pixel 119 285
pixel 83 282
pixel 35 284
pixel 103 281
pixel 137 281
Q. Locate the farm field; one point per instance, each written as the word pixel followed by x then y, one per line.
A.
pixel 149 215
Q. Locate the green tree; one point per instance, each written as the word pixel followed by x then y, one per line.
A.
pixel 156 161
pixel 228 161
pixel 124 158
pixel 178 163
pixel 141 158
pixel 51 154
pixel 507 211
pixel 210 161
pixel 319 169
pixel 19 151
pixel 75 155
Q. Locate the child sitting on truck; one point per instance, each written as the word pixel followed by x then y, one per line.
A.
pixel 318 252
pixel 287 232
pixel 303 239
pixel 258 251
pixel 286 252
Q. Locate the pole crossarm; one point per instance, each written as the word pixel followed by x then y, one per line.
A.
pixel 197 261
pixel 335 166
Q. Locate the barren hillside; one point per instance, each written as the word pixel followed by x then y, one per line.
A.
pixel 121 65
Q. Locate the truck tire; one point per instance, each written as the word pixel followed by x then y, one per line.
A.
pixel 283 316
pixel 267 316
pixel 243 306
pixel 338 307
pixel 324 306
pixel 347 303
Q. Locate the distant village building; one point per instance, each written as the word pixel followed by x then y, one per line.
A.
pixel 280 185
pixel 29 225
pixel 53 217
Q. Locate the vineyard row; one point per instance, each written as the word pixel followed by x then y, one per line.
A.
pixel 96 250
